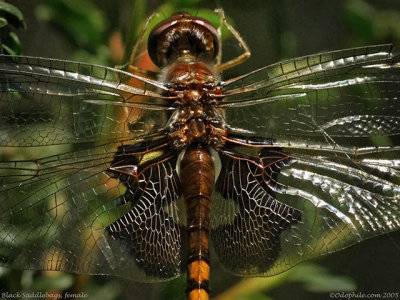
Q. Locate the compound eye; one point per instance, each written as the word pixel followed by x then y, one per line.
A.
pixel 172 37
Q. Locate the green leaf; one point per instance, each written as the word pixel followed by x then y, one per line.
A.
pixel 3 22
pixel 16 44
pixel 359 16
pixel 318 279
pixel 8 50
pixel 110 290
pixel 179 3
pixel 7 8
pixel 173 287
pixel 81 21
pixel 12 10
pixel 60 282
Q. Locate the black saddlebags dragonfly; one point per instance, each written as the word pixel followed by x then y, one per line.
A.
pixel 288 162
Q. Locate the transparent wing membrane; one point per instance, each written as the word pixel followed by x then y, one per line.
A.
pixel 74 213
pixel 273 211
pixel 50 102
pixel 150 232
pixel 89 177
pixel 344 93
pixel 49 208
pixel 248 222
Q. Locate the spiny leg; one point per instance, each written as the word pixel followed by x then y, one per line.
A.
pixel 237 60
pixel 132 58
pixel 219 31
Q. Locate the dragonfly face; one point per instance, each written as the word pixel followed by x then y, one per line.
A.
pixel 308 151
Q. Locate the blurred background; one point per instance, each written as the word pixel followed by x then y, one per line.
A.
pixel 99 31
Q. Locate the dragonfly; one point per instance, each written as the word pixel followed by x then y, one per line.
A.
pixel 282 164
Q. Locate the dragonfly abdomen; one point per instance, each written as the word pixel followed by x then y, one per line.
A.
pixel 197 179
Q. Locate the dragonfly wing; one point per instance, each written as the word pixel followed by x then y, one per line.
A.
pixel 246 218
pixel 353 92
pixel 49 102
pixel 283 206
pixel 150 231
pixel 62 212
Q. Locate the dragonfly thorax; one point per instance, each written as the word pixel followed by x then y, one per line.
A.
pixel 197 118
pixel 197 123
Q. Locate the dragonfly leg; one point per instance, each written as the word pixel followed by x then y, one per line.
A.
pixel 219 31
pixel 134 54
pixel 237 60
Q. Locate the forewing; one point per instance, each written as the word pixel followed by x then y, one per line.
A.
pixel 284 206
pixel 61 213
pixel 49 102
pixel 347 93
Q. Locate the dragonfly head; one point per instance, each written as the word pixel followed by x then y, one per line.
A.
pixel 183 36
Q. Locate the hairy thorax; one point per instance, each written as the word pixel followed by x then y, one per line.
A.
pixel 197 118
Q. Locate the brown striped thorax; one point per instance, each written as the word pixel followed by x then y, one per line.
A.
pixel 185 47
